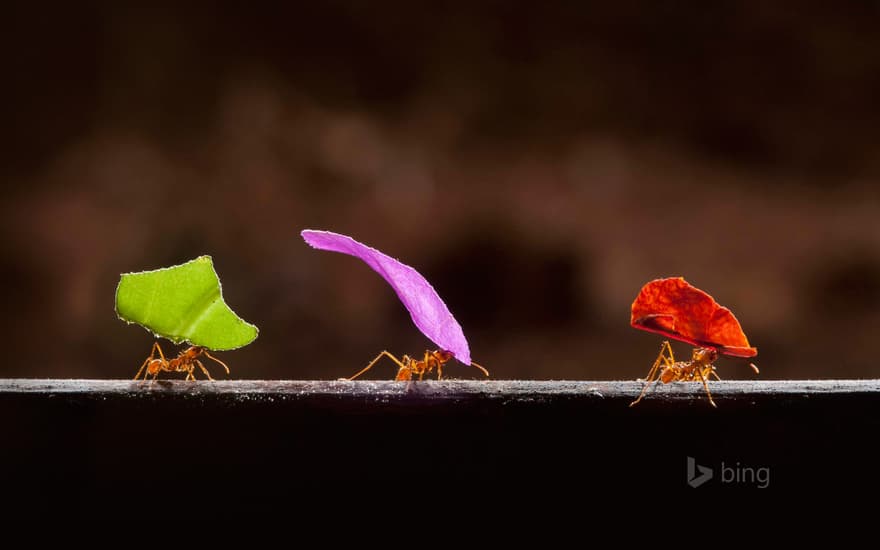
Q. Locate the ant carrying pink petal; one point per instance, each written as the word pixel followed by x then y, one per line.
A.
pixel 428 311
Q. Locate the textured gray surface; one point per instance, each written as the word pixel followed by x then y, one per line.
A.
pixel 433 389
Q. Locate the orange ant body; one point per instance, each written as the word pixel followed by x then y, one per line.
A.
pixel 700 367
pixel 408 367
pixel 186 361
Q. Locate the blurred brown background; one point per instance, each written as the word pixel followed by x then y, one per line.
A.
pixel 536 162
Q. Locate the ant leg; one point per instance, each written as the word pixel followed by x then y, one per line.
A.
pixel 706 386
pixel 147 362
pixel 668 349
pixel 204 370
pixel 215 359
pixel 428 363
pixel 374 361
pixel 404 374
pixel 652 374
pixel 423 367
pixel 755 368
pixel 136 376
pixel 162 355
pixel 164 361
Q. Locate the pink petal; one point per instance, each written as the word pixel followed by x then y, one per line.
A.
pixel 425 306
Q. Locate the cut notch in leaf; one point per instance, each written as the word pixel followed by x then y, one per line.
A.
pixel 183 303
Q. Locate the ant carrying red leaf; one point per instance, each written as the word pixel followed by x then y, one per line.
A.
pixel 674 308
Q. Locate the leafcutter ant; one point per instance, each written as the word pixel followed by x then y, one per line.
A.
pixel 186 361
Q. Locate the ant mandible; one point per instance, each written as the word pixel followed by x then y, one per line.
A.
pixel 186 361
pixel 408 366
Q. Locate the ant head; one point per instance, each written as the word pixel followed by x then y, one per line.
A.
pixel 443 356
pixel 705 355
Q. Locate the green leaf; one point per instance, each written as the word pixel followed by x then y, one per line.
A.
pixel 183 303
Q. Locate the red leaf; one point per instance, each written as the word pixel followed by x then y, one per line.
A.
pixel 677 310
